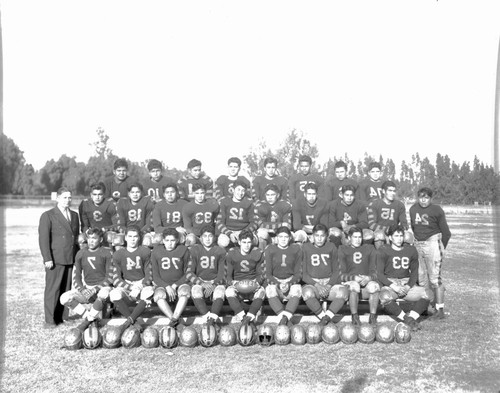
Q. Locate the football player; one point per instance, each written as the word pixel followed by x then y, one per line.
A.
pixel 97 212
pixel 92 278
pixel 432 234
pixel 194 176
pixel 136 209
pixel 321 276
pixel 168 211
pixel 117 186
pixel 169 262
pixel 198 213
pixel 283 275
pixel 308 212
pixel 358 273
pixel 236 214
pixel 245 263
pixel 224 184
pixel 397 272
pixel 271 214
pixel 371 187
pixel 333 184
pixel 132 277
pixel 155 184
pixel 303 176
pixel 206 271
pixel 270 176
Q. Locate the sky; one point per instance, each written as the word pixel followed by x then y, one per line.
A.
pixel 210 79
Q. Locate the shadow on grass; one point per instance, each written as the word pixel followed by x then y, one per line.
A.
pixel 355 385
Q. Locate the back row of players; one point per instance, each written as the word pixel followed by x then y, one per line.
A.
pixel 318 247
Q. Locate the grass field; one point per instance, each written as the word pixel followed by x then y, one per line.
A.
pixel 460 353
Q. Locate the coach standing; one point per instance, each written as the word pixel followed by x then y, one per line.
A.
pixel 57 237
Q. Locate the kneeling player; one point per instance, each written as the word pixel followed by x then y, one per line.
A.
pixel 358 272
pixel 92 276
pixel 245 263
pixel 131 277
pixel 320 273
pixel 397 270
pixel 169 262
pixel 283 274
pixel 206 271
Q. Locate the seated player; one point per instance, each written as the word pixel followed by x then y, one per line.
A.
pixel 132 277
pixel 270 176
pixel 155 184
pixel 270 215
pixel 194 176
pixel 283 274
pixel 432 235
pixel 321 276
pixel 92 277
pixel 358 273
pixel 303 176
pixel 136 209
pixel 235 215
pixel 168 212
pixel 224 183
pixel 346 213
pixel 169 262
pixel 206 271
pixel 397 272
pixel 308 212
pixel 198 213
pixel 371 187
pixel 333 184
pixel 117 186
pixel 245 263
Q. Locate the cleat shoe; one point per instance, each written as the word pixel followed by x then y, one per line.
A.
pixel 411 323
pixel 373 319
pixel 439 314
pixel 210 322
pixel 325 320
pixel 337 318
pixel 355 319
pixel 173 322
pixel 84 325
pixel 246 320
pixel 284 320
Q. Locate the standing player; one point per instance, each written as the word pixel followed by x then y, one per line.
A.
pixel 168 211
pixel 194 176
pixel 131 277
pixel 333 185
pixel 97 212
pixel 136 209
pixel 432 234
pixel 303 176
pixel 371 188
pixel 271 214
pixel 117 186
pixel 245 263
pixel 283 274
pixel 321 276
pixel 308 212
pixel 397 272
pixel 169 262
pixel 270 176
pixel 358 272
pixel 224 184
pixel 207 271
pixel 197 213
pixel 155 184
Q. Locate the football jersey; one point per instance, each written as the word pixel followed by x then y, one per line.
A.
pixel 93 268
pixel 355 261
pixel 332 187
pixel 154 189
pixel 169 267
pixel 168 215
pixel 382 215
pixel 283 263
pixel 135 214
pixel 131 266
pixel 96 216
pixel 185 186
pixel 353 214
pixel 117 190
pixel 429 221
pixel 320 262
pixel 298 181
pixel 261 182
pixel 305 214
pixel 206 264
pixel 245 267
pixel 273 216
pixel 196 215
pixel 235 216
pixel 370 190
pixel 393 263
pixel 224 187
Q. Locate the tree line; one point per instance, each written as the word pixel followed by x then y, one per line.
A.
pixel 452 183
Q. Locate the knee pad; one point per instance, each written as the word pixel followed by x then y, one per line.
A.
pixel 429 294
pixel 379 235
pixel 300 236
pixel 115 295
pixel 385 296
pixel 231 292
pixel 197 292
pixel 260 294
pixel 409 238
pixel 147 293
pixel 184 290
pixel 223 240
pixel 160 294
pixel 219 292
pixel 353 286
pixel 103 293
pixel 262 233
pixel 191 239
pixel 66 298
pixel 335 232
pixel 340 292
pixel 308 292
pixel 368 235
pixel 373 287
pixel 271 291
pixel 295 291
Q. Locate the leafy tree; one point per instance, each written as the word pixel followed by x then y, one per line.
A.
pixel 11 164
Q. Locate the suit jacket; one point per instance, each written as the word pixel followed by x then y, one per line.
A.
pixel 57 237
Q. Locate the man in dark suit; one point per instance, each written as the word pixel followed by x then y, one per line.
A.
pixel 58 240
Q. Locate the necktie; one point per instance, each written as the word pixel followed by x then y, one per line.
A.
pixel 68 217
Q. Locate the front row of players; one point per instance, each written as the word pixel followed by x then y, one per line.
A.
pixel 317 271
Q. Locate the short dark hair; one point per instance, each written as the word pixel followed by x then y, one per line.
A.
pixel 246 234
pixel 395 228
pixel 171 185
pixel 320 227
pixel 284 229
pixel 194 163
pixel 170 232
pixel 353 230
pixel 340 164
pixel 120 162
pixel 93 231
pixel 198 186
pixel 311 186
pixel 135 184
pixel 374 164
pixel 270 160
pixel 133 228
pixel 62 190
pixel 98 186
pixel 207 228
pixel 154 164
pixel 387 184
pixel 234 160
pixel 425 191
pixel 240 182
pixel 305 158
pixel 348 187
pixel 272 187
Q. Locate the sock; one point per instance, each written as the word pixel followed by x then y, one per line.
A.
pixel 235 305
pixel 217 306
pixel 138 310
pixel 439 306
pixel 292 304
pixel 314 305
pixel 330 314
pixel 336 305
pixel 255 306
pixel 276 304
pixel 122 308
pixel 420 306
pixel 393 308
pixel 200 305
pixel 414 315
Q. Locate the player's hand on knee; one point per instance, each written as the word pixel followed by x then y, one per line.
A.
pixel 170 293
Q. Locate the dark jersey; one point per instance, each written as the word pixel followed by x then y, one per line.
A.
pixel 236 216
pixel 196 215
pixel 261 182
pixel 131 266
pixel 283 263
pixel 383 215
pixel 168 215
pixel 185 186
pixel 169 267
pixel 138 213
pixel 320 262
pixel 353 214
pixel 332 187
pixel 393 263
pixel 429 221
pixel 154 189
pixel 207 264
pixel 305 214
pixel 273 216
pixel 298 181
pixel 117 190
pixel 93 268
pixel 245 267
pixel 224 186
pixel 355 261
pixel 370 190
pixel 97 216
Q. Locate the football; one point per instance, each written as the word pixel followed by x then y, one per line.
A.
pixel 188 337
pixel 208 335
pixel 348 333
pixel 313 333
pixel 384 334
pixel 402 333
pixel 150 337
pixel 298 335
pixel 282 335
pixel 168 337
pixel 227 336
pixel 265 335
pixel 147 240
pixel 330 334
pixel 73 339
pixel 131 337
pixel 247 287
pixel 409 238
pixel 246 335
pixel 366 334
pixel 92 337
